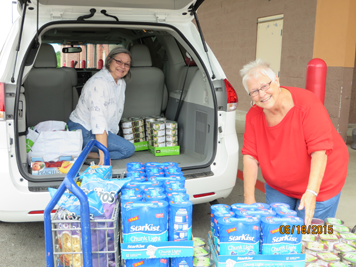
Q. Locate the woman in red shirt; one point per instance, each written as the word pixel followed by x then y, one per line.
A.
pixel 289 134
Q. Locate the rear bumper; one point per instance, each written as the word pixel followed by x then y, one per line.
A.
pixel 225 169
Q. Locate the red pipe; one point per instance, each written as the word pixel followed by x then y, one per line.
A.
pixel 100 64
pixel 72 64
pixel 83 64
pixel 316 77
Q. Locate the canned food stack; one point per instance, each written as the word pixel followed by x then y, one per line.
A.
pixel 329 243
pixel 201 253
pixel 161 132
pixel 133 129
pixel 147 121
pixel 157 137
pixel 171 133
pixel 153 186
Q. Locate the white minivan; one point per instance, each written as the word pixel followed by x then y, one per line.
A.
pixel 174 74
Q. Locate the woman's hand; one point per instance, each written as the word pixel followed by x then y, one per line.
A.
pixel 307 202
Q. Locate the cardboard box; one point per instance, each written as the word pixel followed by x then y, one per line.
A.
pixel 140 146
pixel 40 167
pixel 164 151
pixel 290 260
pixel 151 250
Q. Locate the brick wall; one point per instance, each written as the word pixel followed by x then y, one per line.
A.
pixel 230 29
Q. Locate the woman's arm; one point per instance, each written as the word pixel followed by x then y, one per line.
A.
pixel 317 169
pixel 250 176
pixel 103 139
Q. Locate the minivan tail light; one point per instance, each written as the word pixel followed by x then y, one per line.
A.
pixel 204 195
pixel 40 211
pixel 2 101
pixel 231 96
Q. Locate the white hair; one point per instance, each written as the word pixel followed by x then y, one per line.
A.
pixel 255 69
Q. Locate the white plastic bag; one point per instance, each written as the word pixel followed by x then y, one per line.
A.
pixel 49 126
pixel 52 145
pixel 30 138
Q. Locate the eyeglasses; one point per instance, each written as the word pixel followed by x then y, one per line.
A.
pixel 263 88
pixel 120 63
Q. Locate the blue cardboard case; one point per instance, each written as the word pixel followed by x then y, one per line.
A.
pixel 151 250
pixel 290 260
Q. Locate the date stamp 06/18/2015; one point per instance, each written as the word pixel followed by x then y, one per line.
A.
pixel 305 230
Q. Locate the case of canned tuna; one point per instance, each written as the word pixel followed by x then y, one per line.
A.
pixel 258 234
pixel 156 216
pixel 255 234
pixel 164 151
pixel 154 133
pixel 290 260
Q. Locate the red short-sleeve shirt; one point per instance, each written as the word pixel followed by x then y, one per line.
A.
pixel 283 151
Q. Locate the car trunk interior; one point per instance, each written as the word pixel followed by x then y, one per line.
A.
pixel 186 91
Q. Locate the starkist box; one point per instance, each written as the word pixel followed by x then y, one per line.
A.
pixel 290 260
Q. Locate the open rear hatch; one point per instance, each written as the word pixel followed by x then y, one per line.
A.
pixel 169 7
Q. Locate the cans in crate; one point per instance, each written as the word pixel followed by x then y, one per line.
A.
pixel 171 132
pixel 128 136
pixel 171 138
pixel 138 140
pixel 171 143
pixel 128 130
pixel 139 135
pixel 137 121
pixel 149 135
pixel 127 123
pixel 158 125
pixel 158 139
pixel 173 125
pixel 158 132
pixel 139 129
pixel 161 119
pixel 163 144
pixel 149 120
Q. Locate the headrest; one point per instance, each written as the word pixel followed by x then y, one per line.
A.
pixel 141 56
pixel 46 57
pixel 72 74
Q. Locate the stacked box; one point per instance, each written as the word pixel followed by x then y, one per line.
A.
pixel 158 134
pixel 148 121
pixel 171 133
pixel 133 129
pixel 144 228
pixel 128 129
pixel 161 132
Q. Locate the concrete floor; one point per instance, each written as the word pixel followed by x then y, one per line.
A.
pixel 345 212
